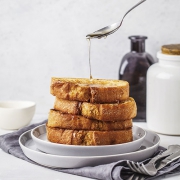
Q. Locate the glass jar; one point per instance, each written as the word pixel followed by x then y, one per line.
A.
pixel 133 68
pixel 163 95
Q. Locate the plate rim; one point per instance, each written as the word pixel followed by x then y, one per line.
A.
pixel 88 147
pixel 60 161
pixel 89 157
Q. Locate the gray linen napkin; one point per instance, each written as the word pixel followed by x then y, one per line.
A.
pixel 113 171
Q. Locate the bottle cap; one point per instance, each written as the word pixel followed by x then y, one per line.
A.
pixel 171 49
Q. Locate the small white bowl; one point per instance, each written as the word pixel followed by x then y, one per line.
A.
pixel 16 114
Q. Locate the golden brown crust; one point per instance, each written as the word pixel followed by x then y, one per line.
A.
pixel 66 106
pixel 90 90
pixel 110 112
pixel 68 121
pixel 171 49
pixel 88 138
pixel 105 112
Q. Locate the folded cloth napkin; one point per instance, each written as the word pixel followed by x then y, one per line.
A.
pixel 113 171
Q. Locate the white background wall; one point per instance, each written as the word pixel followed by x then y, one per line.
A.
pixel 44 38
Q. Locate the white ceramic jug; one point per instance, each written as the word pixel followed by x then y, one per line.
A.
pixel 163 95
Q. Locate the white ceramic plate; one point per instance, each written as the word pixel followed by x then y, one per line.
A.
pixel 149 146
pixel 39 136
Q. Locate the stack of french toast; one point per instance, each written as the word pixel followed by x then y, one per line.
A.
pixel 90 112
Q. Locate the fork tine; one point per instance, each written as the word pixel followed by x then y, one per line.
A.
pixel 136 177
pixel 130 166
pixel 133 167
pixel 136 167
pixel 145 170
pixel 148 169
pixel 140 177
pixel 141 168
pixel 131 177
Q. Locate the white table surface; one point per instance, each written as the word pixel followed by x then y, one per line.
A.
pixel 12 168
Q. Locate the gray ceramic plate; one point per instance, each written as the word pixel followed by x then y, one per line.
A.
pixel 39 136
pixel 149 146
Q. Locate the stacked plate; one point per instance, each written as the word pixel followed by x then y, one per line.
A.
pixel 37 148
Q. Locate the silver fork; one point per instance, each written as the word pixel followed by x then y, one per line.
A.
pixel 136 177
pixel 149 168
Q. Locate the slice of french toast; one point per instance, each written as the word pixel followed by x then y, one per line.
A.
pixel 105 112
pixel 90 90
pixel 77 122
pixel 66 106
pixel 88 138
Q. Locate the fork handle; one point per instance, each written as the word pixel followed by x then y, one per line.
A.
pixel 171 149
pixel 168 160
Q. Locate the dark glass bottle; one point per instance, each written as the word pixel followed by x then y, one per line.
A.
pixel 133 68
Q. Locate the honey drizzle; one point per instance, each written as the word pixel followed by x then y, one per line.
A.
pixel 90 57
